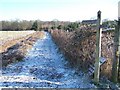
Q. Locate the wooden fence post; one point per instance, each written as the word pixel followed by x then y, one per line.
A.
pixel 119 39
pixel 119 48
pixel 115 66
pixel 98 49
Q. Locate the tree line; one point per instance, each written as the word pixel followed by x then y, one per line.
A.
pixel 38 25
pixel 18 25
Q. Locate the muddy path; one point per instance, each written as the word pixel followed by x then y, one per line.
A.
pixel 43 66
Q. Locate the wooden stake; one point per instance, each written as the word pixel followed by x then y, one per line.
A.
pixel 119 40
pixel 98 49
pixel 119 47
pixel 115 66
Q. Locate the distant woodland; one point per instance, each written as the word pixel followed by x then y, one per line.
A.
pixel 17 25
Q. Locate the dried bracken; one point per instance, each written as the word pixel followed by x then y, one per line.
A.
pixel 79 47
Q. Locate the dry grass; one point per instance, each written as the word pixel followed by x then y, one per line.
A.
pixel 10 38
pixel 11 35
pixel 15 50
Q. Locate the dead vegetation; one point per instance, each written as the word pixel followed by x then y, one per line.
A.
pixel 15 50
pixel 79 47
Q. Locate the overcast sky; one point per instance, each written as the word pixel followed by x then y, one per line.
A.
pixel 64 10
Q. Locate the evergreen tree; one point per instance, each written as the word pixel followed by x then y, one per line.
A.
pixel 35 25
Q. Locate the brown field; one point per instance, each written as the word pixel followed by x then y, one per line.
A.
pixel 14 45
pixel 6 36
pixel 9 38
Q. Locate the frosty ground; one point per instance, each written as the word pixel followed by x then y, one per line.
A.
pixel 43 66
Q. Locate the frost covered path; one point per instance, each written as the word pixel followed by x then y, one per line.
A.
pixel 43 66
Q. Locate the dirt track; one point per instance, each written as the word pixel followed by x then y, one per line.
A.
pixel 43 66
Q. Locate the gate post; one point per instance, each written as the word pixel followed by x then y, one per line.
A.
pixel 98 49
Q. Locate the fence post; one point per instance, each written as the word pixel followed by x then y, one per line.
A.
pixel 119 47
pixel 119 39
pixel 98 49
pixel 115 66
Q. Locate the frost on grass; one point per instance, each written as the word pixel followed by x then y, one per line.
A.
pixel 44 66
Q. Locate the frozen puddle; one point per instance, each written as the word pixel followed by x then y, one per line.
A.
pixel 43 66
